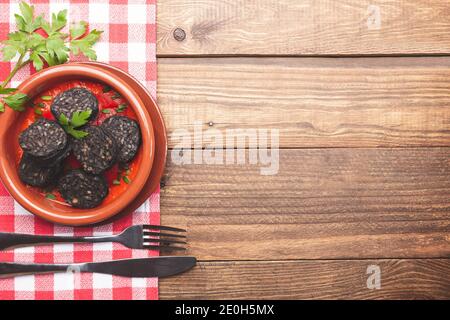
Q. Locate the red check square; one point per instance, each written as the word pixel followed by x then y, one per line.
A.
pixel 118 33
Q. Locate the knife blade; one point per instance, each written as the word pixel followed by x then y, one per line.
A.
pixel 142 268
pixel 139 268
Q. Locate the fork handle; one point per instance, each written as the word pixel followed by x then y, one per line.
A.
pixel 15 269
pixel 8 240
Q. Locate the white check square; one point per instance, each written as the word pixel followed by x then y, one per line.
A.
pixel 102 251
pixel 98 13
pixel 102 281
pixel 24 283
pixel 137 13
pixel 102 49
pixel 63 247
pixel 64 281
pixel 137 52
pixel 24 250
pixel 18 209
pixel 13 9
pixel 139 282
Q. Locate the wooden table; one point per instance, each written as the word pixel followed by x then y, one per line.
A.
pixel 360 93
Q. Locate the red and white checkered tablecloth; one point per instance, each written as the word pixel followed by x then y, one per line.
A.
pixel 128 42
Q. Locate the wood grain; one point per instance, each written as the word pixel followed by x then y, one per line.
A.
pixel 400 279
pixel 322 204
pixel 313 102
pixel 307 27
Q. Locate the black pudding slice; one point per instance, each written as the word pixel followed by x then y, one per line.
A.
pixel 56 159
pixel 82 190
pixel 76 99
pixel 96 152
pixel 33 174
pixel 43 139
pixel 127 134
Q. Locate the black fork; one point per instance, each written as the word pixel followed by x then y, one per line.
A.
pixel 135 237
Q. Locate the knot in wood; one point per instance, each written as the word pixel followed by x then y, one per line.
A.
pixel 179 34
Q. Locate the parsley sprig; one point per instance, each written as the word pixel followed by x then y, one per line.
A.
pixel 79 119
pixel 41 42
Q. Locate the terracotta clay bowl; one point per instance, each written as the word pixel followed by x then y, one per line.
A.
pixel 10 126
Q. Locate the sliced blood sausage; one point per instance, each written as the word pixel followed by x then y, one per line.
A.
pixel 82 190
pixel 96 152
pixel 75 99
pixel 126 133
pixel 56 159
pixel 33 174
pixel 43 139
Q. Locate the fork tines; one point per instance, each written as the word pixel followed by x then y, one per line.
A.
pixel 153 227
pixel 156 240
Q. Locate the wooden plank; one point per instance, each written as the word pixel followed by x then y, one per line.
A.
pixel 313 102
pixel 307 27
pixel 322 204
pixel 400 279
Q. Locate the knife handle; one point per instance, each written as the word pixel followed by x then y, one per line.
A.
pixel 15 269
pixel 8 240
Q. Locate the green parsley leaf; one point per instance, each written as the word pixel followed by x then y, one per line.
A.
pixel 41 105
pixel 16 44
pixel 37 23
pixel 36 42
pixel 17 36
pixel 106 111
pixel 80 118
pixel 26 22
pixel 37 61
pixel 20 22
pixel 126 180
pixel 48 58
pixel 106 89
pixel 57 49
pixel 16 101
pixel 7 90
pixel 122 107
pixel 38 111
pixel 50 196
pixel 78 29
pixel 2 107
pixel 84 45
pixel 9 52
pixel 63 120
pixel 78 134
pixel 59 20
pixel 27 11
pixel 46 98
pixel 45 25
pixel 115 96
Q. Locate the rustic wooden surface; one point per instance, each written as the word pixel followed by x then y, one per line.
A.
pixel 323 203
pixel 364 122
pixel 311 27
pixel 316 279
pixel 314 102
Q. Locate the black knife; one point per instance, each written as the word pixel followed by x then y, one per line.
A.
pixel 139 268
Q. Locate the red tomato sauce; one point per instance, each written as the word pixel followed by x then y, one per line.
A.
pixel 108 99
